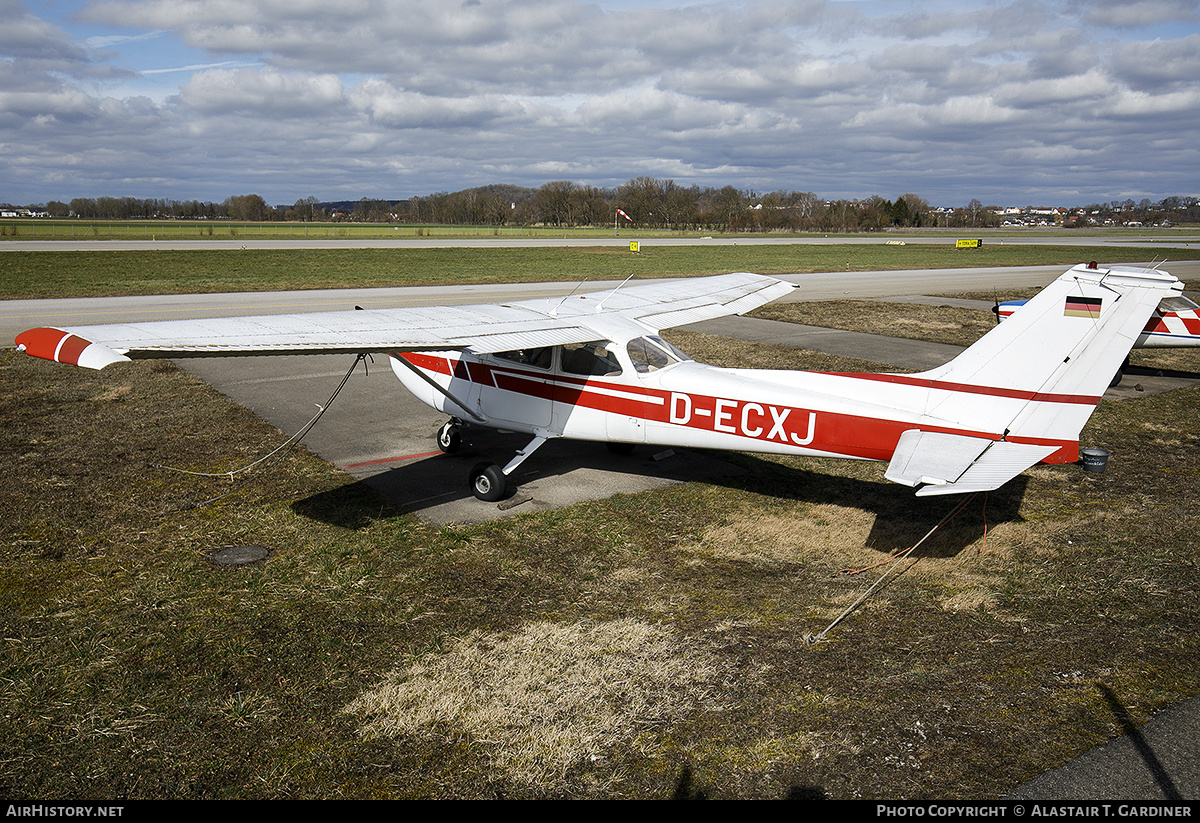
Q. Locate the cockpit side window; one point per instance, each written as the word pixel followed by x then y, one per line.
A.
pixel 589 359
pixel 653 353
pixel 541 358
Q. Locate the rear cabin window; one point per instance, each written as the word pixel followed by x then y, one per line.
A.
pixel 540 358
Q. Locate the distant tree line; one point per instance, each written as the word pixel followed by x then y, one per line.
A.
pixel 646 202
pixel 249 207
pixel 643 202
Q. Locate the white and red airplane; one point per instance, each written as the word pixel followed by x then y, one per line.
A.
pixel 593 367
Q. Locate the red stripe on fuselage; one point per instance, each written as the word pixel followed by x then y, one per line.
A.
pixel 968 388
pixel 829 432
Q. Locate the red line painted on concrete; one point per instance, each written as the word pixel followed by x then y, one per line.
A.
pixel 400 459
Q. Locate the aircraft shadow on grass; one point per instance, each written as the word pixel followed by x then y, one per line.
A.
pixel 900 519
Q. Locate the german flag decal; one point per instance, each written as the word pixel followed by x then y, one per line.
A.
pixel 1083 307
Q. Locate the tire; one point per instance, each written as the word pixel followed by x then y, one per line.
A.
pixel 1120 373
pixel 488 482
pixel 449 438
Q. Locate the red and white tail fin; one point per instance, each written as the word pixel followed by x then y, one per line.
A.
pixel 1042 372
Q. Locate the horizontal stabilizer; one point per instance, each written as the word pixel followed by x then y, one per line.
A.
pixel 933 458
pixel 1000 463
pixel 954 463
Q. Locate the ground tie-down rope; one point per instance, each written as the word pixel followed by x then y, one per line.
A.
pixel 811 640
pixel 281 450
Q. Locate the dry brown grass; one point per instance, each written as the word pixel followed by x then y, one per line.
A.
pixel 941 324
pixel 546 702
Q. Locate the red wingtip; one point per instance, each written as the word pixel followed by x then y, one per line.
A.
pixel 64 347
pixel 44 343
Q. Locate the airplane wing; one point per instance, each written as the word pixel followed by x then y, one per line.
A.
pixel 481 328
pixel 672 303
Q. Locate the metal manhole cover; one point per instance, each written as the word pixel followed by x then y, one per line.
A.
pixel 238 555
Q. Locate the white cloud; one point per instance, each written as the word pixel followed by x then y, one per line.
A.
pixel 1047 95
pixel 1158 63
pixel 263 92
pixel 396 108
pixel 399 97
pixel 1137 13
pixel 25 36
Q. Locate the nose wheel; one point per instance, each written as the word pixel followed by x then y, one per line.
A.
pixel 449 437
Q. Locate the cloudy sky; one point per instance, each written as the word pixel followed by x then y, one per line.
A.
pixel 1012 102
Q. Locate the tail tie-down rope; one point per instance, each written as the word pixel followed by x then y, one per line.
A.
pixel 812 640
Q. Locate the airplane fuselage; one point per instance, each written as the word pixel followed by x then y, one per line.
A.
pixel 689 404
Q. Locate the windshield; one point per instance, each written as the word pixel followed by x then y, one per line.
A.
pixel 653 353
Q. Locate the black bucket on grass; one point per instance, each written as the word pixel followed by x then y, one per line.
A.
pixel 1094 460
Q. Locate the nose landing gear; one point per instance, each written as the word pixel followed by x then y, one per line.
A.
pixel 488 481
pixel 449 437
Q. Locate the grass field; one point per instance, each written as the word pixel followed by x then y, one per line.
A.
pixel 647 645
pixel 92 274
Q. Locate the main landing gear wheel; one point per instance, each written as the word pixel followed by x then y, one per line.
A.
pixel 449 438
pixel 1120 373
pixel 488 482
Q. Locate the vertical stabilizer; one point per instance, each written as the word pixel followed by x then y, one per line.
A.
pixel 1069 339
pixel 1033 380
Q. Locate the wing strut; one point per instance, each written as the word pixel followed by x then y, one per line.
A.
pixel 444 392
